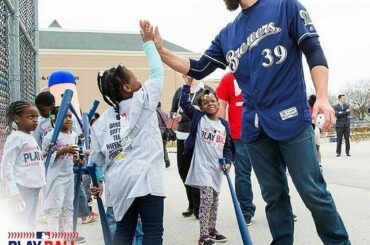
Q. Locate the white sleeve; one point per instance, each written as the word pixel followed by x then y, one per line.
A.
pixel 12 149
pixel 46 141
pixel 96 155
pixel 37 134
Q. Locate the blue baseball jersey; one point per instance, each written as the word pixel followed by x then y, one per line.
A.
pixel 261 47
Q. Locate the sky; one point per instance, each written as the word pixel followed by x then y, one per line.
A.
pixel 192 24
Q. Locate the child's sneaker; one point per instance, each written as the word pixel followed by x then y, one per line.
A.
pixel 248 220
pixel 205 240
pixel 90 218
pixel 78 240
pixel 217 236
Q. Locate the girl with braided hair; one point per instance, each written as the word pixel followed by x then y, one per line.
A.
pixel 127 142
pixel 22 167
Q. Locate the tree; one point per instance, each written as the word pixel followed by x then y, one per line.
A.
pixel 333 99
pixel 358 96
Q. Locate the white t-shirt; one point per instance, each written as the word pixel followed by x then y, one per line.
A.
pixel 22 162
pixel 43 127
pixel 131 149
pixel 209 144
pixel 59 189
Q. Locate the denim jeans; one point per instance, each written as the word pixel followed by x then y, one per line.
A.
pixel 111 221
pixel 138 239
pixel 151 209
pixel 270 158
pixel 83 206
pixel 243 187
pixel 139 235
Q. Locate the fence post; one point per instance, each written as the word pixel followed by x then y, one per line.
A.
pixel 37 55
pixel 14 54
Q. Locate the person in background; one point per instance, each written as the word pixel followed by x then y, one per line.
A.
pixel 44 102
pixel 231 101
pixel 342 125
pixel 162 122
pixel 311 103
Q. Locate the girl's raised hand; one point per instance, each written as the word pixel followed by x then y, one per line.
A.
pixel 147 31
pixel 188 80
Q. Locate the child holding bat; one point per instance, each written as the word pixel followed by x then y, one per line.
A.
pixel 210 140
pixel 59 189
pixel 127 141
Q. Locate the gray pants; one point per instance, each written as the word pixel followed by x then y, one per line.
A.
pixel 86 182
pixel 60 219
pixel 28 215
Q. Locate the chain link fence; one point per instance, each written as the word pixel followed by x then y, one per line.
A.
pixel 18 56
pixel 27 16
pixel 27 69
pixel 4 71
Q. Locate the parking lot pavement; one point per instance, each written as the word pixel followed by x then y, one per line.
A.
pixel 348 180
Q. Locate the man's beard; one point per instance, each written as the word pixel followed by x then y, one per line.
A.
pixel 232 4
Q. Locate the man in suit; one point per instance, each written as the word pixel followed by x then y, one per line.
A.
pixel 342 126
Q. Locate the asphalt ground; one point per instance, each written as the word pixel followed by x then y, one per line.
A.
pixel 348 180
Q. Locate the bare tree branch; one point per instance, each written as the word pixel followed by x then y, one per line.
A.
pixel 358 97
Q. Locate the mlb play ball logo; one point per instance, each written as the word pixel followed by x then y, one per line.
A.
pixel 42 238
pixel 43 235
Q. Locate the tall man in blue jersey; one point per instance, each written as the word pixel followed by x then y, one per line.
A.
pixel 263 48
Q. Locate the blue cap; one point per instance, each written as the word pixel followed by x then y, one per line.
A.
pixel 61 76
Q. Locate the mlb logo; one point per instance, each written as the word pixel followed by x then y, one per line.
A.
pixel 43 235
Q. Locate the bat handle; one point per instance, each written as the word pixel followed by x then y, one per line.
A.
pixel 93 109
pixel 103 217
pixel 238 212
pixel 222 162
pixel 76 201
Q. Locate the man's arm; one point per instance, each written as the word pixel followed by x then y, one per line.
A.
pixel 320 75
pixel 222 110
pixel 223 92
pixel 197 69
pixel 177 63
pixel 337 112
pixel 348 110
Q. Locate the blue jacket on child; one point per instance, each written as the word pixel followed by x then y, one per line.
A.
pixel 195 115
